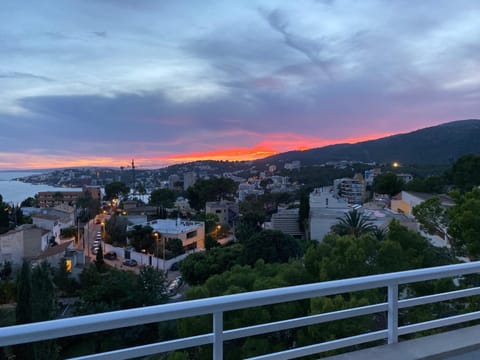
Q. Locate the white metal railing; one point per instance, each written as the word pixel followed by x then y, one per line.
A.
pixel 217 306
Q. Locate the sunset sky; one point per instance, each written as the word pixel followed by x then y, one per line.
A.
pixel 99 82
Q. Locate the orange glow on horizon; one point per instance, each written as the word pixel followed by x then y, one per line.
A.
pixel 271 145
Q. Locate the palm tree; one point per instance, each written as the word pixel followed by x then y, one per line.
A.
pixel 353 223
pixel 380 233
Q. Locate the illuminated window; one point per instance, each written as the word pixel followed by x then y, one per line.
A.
pixel 68 264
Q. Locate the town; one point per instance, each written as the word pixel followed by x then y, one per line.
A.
pixel 176 229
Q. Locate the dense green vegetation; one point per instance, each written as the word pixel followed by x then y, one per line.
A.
pixel 337 257
pixel 210 190
pixel 39 291
pixel 162 198
pixel 116 189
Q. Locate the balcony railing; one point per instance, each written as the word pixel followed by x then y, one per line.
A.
pixel 217 306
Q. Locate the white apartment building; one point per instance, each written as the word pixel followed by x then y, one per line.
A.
pixel 352 190
pixel 325 209
pixel 325 197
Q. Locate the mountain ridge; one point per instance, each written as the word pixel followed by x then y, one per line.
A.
pixel 439 144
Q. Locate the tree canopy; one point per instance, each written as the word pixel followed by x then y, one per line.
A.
pixel 196 268
pixel 89 206
pixel 142 238
pixel 387 183
pixel 162 198
pixel 431 215
pixel 210 190
pixel 465 172
pixel 464 223
pixel 353 223
pixel 116 189
pixel 271 246
pixel 116 230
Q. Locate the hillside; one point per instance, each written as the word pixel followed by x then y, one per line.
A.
pixel 439 144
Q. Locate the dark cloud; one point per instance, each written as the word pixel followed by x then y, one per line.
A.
pixel 21 75
pixel 312 49
pixel 56 35
pixel 100 34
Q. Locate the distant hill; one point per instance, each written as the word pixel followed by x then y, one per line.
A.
pixel 439 144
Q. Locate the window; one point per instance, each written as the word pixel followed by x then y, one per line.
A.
pixel 191 234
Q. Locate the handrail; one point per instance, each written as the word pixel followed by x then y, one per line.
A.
pixel 218 305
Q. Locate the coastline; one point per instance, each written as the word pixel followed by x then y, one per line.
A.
pixel 14 191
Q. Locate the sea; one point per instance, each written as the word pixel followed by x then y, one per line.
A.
pixel 14 192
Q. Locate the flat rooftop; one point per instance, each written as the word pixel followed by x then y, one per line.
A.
pixel 172 226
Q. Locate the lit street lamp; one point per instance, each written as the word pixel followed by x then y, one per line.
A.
pixel 155 235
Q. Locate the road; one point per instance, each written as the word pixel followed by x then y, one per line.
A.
pixel 89 234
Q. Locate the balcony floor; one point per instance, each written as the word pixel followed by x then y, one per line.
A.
pixel 462 344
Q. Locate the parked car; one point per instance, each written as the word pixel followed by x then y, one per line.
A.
pixel 174 285
pixel 130 262
pixel 111 255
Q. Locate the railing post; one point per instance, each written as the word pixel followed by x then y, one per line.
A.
pixel 392 314
pixel 218 335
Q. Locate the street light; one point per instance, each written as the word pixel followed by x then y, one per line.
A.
pixel 155 235
pixel 217 230
pixel 163 255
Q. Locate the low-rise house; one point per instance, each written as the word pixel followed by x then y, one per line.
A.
pixel 54 254
pixel 182 205
pixel 407 200
pixel 53 221
pixel 226 211
pixel 24 242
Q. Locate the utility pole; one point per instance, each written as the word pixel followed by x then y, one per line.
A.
pixel 133 176
pixel 164 255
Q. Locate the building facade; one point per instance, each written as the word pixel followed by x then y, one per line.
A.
pixel 25 242
pixel 226 211
pixel 48 199
pixel 286 220
pixel 191 233
pixel 189 179
pixel 353 190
